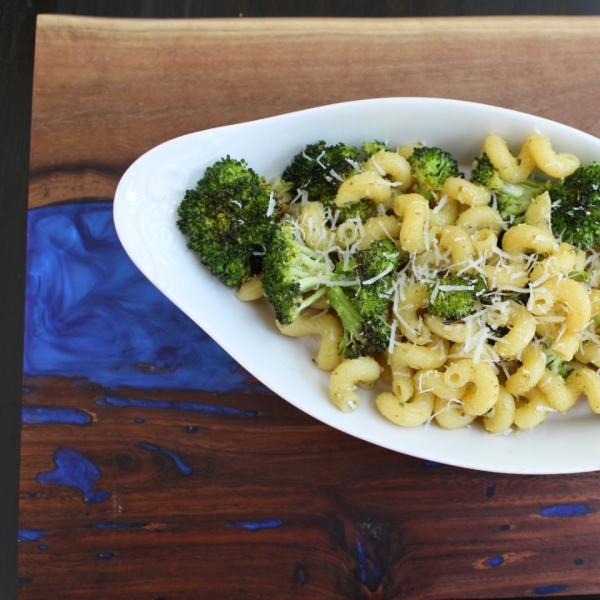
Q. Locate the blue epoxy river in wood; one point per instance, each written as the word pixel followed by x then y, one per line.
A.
pixel 91 314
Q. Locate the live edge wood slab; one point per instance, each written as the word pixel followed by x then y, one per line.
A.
pixel 148 491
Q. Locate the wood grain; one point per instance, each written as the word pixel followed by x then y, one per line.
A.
pixel 279 506
pixel 121 87
pixel 357 521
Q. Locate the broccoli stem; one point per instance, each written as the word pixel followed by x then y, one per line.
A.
pixel 351 319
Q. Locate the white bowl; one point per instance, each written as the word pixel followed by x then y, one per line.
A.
pixel 145 217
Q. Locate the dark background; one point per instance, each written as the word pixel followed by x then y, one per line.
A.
pixel 17 41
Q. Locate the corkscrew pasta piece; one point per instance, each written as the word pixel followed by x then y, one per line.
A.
pixel 532 410
pixel 392 164
pixel 313 226
pixel 458 242
pixel 481 382
pixel 450 414
pixel 325 325
pixel 586 382
pixel 346 376
pixel 522 330
pixel 454 332
pixel 546 159
pixel 414 211
pixel 432 380
pixel 556 391
pixel 252 289
pixel 512 169
pixel 410 413
pixel 538 213
pixel 379 228
pixel 369 184
pixel 523 239
pixel 502 415
pixel 432 355
pixel 466 192
pixel 529 373
pixel 480 217
pixel 414 300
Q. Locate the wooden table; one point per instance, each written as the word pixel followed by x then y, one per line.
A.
pixel 134 484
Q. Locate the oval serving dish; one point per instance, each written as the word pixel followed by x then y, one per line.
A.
pixel 145 214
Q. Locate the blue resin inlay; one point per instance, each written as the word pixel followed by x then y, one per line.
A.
pixel 549 589
pixel 113 525
pixel 362 560
pixel 491 490
pixel 495 561
pixel 44 415
pixel 257 525
pixel 185 469
pixel 31 535
pixel 24 580
pixel 579 561
pixel 91 314
pixel 42 547
pixel 432 463
pixel 139 420
pixel 105 555
pixel 197 407
pixel 567 510
pixel 76 471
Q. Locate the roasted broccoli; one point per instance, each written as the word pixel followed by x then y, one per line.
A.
pixel 229 217
pixel 452 297
pixel 431 167
pixel 361 336
pixel 513 198
pixel 365 312
pixel 370 148
pixel 361 210
pixel 290 269
pixel 576 207
pixel 556 364
pixel 376 268
pixel 320 169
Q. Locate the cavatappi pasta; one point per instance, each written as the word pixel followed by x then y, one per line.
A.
pixel 492 365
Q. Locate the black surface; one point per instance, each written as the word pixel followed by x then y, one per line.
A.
pixel 17 36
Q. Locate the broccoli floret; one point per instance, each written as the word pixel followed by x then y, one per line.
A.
pixel 431 167
pixel 576 207
pixel 376 267
pixel 513 198
pixel 370 148
pixel 290 269
pixel 228 218
pixel 362 209
pixel 452 297
pixel 556 364
pixel 320 169
pixel 361 336
pixel 364 312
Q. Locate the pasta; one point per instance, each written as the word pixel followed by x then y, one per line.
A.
pixel 527 344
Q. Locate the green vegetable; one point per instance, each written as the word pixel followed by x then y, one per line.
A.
pixel 370 148
pixel 556 364
pixel 576 207
pixel 290 269
pixel 320 169
pixel 452 297
pixel 513 199
pixel 431 167
pixel 229 217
